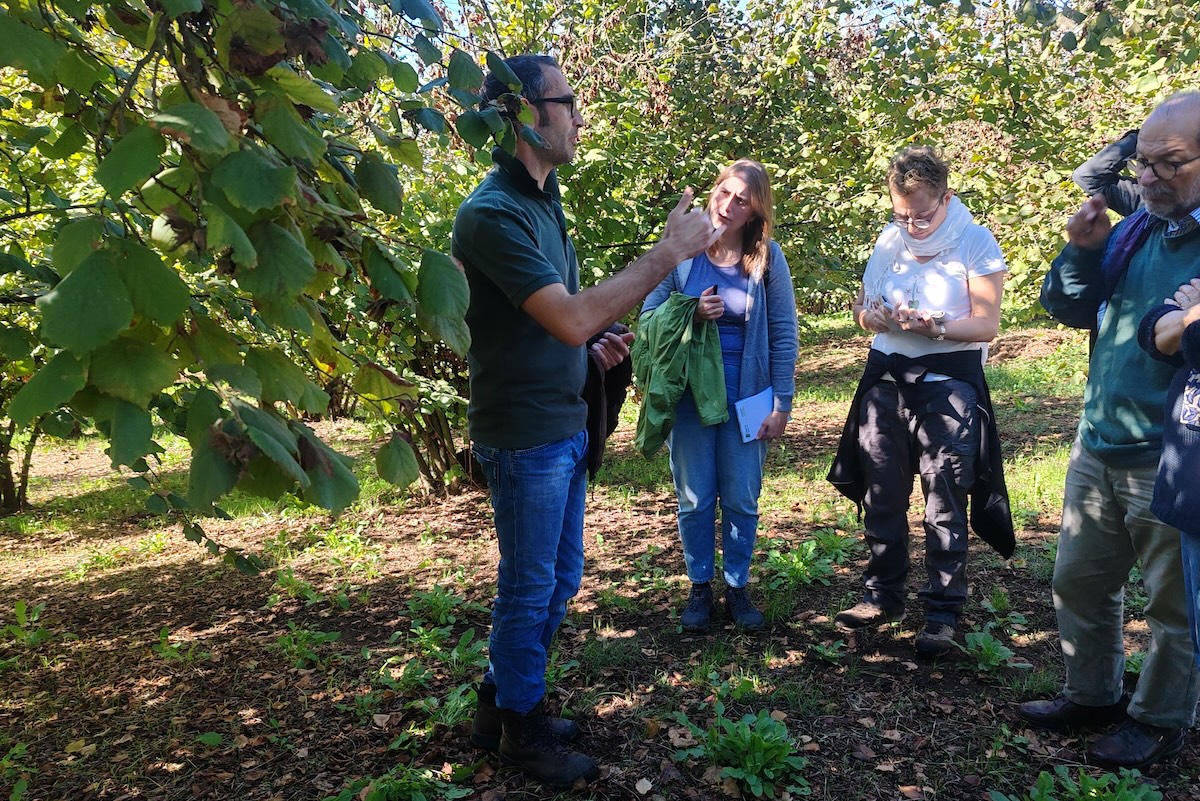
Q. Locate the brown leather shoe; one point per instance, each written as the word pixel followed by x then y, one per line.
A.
pixel 1059 714
pixel 1135 745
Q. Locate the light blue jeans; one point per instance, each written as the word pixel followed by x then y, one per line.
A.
pixel 1190 547
pixel 710 463
pixel 1107 527
pixel 538 498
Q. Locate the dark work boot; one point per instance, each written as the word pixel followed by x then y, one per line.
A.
pixel 741 609
pixel 485 733
pixel 697 615
pixel 528 744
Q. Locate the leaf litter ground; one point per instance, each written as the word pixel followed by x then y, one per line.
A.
pixel 111 707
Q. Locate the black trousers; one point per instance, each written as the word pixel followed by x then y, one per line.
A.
pixel 931 429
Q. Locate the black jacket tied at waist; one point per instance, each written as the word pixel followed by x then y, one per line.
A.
pixel 991 517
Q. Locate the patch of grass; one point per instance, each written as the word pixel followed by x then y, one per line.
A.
pixel 1035 483
pixel 302 647
pixel 609 650
pixel 170 652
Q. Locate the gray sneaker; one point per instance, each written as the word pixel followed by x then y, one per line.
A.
pixel 865 613
pixel 936 639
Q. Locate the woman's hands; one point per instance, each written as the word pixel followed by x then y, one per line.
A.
pixel 917 321
pixel 710 307
pixel 772 427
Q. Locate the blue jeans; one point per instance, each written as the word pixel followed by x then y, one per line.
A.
pixel 707 463
pixel 537 496
pixel 1190 541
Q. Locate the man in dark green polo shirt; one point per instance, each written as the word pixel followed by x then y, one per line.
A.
pixel 529 323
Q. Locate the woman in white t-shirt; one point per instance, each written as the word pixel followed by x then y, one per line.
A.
pixel 931 295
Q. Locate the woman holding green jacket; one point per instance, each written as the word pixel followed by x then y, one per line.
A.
pixel 743 284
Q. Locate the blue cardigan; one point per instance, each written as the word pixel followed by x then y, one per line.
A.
pixel 1176 492
pixel 769 357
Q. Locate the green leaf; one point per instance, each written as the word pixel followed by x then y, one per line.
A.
pixel 386 276
pixel 377 182
pixel 211 475
pixel 442 297
pixel 408 152
pixel 210 738
pixel 28 49
pixel 404 75
pixel 76 241
pixel 284 265
pixel 396 462
pixel 131 160
pixel 380 384
pixel 52 386
pixel 427 51
pixel 238 376
pixel 68 143
pixel 274 439
pixel 224 232
pixel 252 181
pixel 202 413
pixel 532 137
pixel 1069 41
pixel 131 436
pixel 195 125
pixel 87 308
pixel 156 291
pixel 502 71
pixel 132 370
pixel 283 380
pixel 366 69
pixel 15 344
pixel 283 128
pixel 301 90
pixel 156 504
pixel 429 119
pixel 332 484
pixel 419 10
pixel 61 424
pixel 210 342
pixel 76 72
pixel 473 129
pixel 463 72
pixel 177 8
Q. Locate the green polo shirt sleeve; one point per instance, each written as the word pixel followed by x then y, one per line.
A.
pixel 500 241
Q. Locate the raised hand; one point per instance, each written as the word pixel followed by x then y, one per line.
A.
pixel 1089 227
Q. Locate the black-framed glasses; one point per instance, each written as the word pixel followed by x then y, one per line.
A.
pixel 921 224
pixel 566 100
pixel 1169 168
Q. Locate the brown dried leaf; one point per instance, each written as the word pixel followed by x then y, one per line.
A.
pixel 862 751
pixel 912 791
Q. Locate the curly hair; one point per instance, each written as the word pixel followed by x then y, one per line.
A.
pixel 918 167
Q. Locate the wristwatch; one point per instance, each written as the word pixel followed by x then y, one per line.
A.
pixel 941 333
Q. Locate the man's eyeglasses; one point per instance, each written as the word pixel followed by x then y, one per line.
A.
pixel 1163 170
pixel 921 224
pixel 566 100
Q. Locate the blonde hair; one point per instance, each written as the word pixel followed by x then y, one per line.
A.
pixel 756 236
pixel 918 167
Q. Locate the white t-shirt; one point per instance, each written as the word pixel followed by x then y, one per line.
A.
pixel 940 284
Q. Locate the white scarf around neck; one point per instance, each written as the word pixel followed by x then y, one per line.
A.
pixel 945 236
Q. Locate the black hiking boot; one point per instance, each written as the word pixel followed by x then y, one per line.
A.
pixel 528 744
pixel 697 615
pixel 488 726
pixel 741 609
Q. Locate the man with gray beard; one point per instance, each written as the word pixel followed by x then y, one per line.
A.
pixel 1108 278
